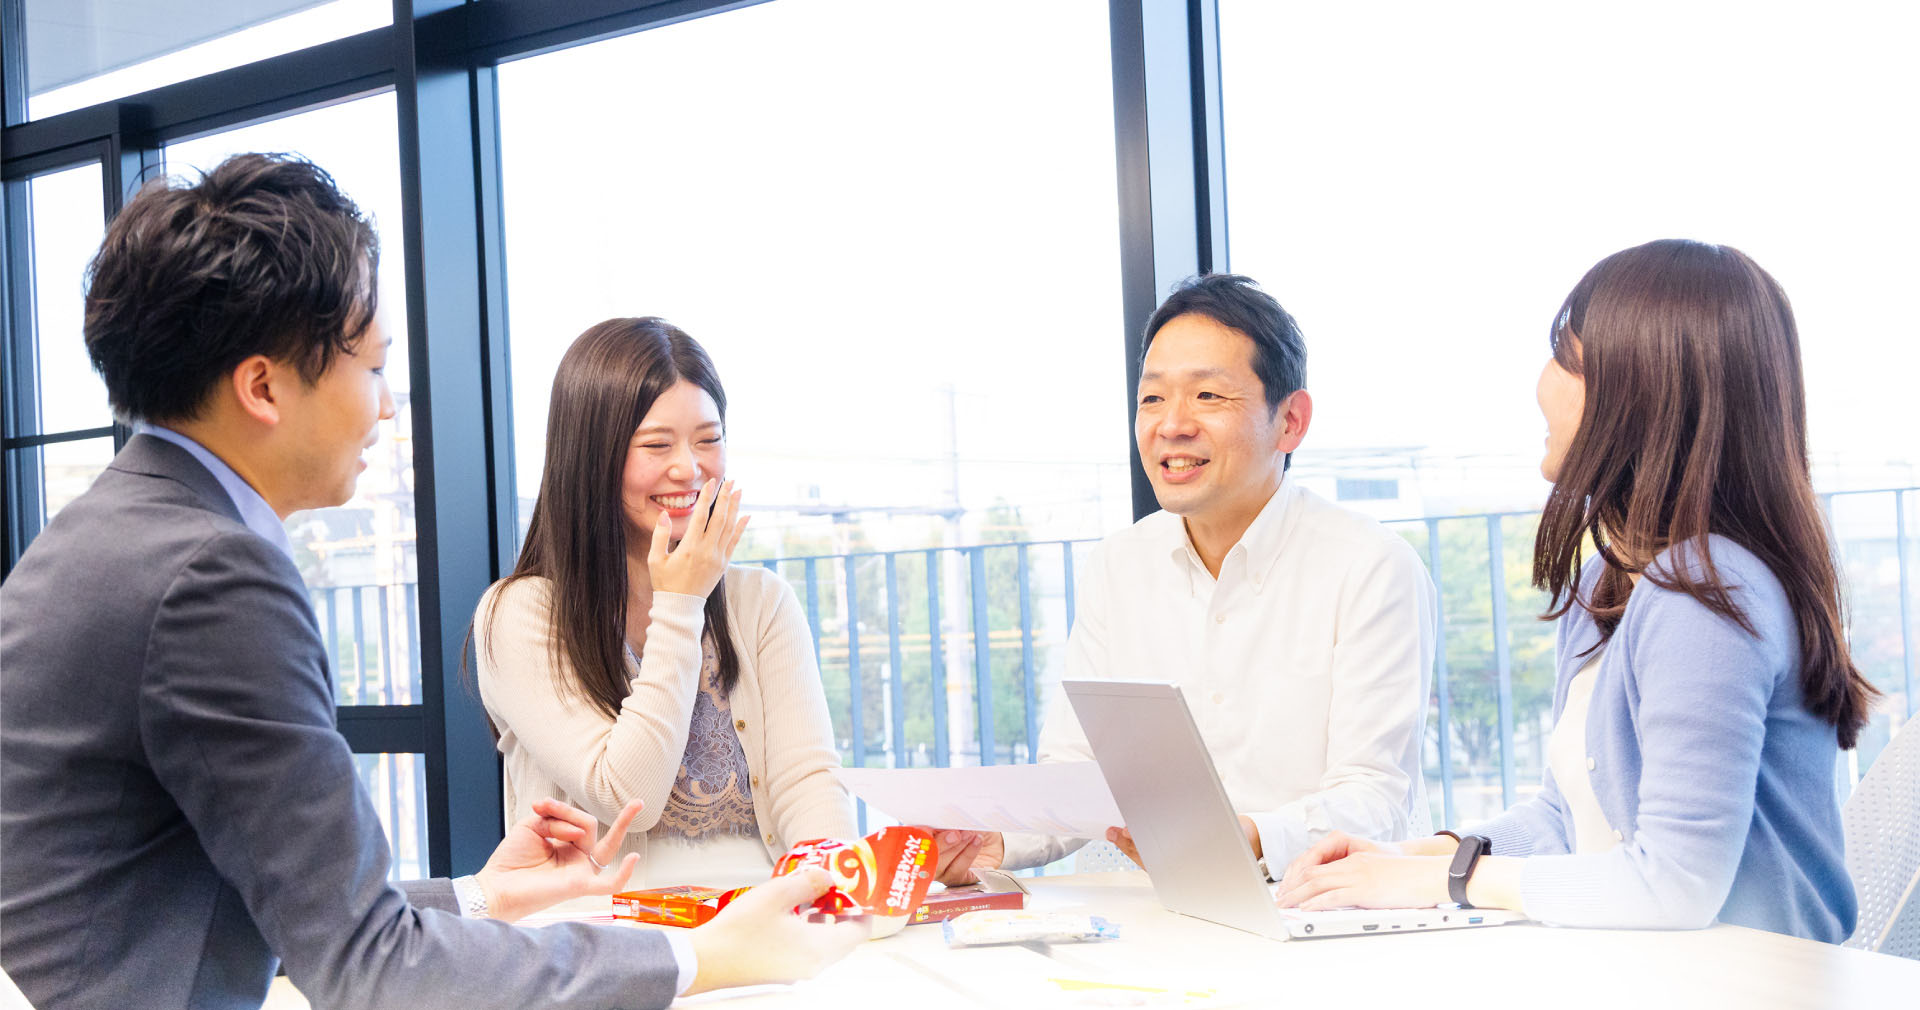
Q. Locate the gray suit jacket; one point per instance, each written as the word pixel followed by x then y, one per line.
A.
pixel 177 808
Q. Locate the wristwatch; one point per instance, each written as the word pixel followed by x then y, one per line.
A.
pixel 472 897
pixel 1465 858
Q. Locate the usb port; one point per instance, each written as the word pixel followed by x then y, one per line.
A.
pixel 1475 920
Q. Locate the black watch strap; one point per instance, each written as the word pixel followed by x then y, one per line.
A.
pixel 1465 858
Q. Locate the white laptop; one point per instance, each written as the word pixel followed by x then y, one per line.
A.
pixel 1163 781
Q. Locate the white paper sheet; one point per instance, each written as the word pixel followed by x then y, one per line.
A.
pixel 1068 798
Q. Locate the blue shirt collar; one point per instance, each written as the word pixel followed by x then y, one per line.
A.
pixel 254 510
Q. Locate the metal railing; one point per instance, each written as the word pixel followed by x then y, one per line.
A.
pixel 949 639
pixel 373 641
pixel 939 655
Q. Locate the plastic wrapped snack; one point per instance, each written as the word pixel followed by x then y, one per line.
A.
pixel 986 927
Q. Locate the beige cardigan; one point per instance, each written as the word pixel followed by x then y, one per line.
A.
pixel 557 744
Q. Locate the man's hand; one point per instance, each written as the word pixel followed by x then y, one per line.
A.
pixel 552 856
pixel 757 939
pixel 962 852
pixel 1123 840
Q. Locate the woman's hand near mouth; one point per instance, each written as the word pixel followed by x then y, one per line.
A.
pixel 694 565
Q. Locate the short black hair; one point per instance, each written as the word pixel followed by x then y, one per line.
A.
pixel 1237 303
pixel 264 255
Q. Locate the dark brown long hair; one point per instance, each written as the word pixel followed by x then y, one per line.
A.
pixel 607 382
pixel 1695 423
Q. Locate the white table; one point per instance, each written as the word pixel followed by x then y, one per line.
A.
pixel 1501 966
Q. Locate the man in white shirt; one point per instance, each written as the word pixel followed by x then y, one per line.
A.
pixel 1301 633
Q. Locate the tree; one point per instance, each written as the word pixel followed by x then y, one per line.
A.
pixel 1466 590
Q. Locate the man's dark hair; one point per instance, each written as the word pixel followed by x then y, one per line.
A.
pixel 264 255
pixel 1237 303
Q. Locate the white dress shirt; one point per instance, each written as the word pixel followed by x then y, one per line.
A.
pixel 1306 663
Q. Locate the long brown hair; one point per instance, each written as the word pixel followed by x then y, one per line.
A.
pixel 1695 423
pixel 606 384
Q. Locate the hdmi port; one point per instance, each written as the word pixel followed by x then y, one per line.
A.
pixel 1370 927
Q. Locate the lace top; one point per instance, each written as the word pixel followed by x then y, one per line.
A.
pixel 710 796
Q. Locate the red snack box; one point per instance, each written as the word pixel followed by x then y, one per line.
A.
pixel 685 905
pixel 886 873
pixel 956 900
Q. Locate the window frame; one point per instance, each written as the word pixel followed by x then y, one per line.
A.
pixel 439 57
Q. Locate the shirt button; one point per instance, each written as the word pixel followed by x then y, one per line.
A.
pixel 1589 764
pixel 1219 618
pixel 1219 699
pixel 739 724
pixel 1617 836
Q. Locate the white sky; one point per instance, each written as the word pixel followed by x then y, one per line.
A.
pixel 851 203
pixel 296 31
pixel 1422 184
pixel 855 203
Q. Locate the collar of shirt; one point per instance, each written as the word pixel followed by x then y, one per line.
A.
pixel 254 510
pixel 1258 548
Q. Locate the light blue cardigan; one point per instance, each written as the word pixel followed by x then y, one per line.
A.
pixel 1704 760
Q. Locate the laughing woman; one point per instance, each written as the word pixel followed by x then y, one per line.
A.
pixel 1704 687
pixel 625 660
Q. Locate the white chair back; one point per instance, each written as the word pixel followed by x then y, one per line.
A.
pixel 1882 824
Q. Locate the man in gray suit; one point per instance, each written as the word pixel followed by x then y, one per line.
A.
pixel 177 810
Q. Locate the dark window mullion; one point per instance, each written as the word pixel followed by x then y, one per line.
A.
pixel 19 383
pixel 55 437
pixel 384 729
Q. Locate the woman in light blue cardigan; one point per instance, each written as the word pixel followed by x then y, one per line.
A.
pixel 1704 686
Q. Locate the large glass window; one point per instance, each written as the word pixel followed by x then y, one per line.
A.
pixel 1421 185
pixel 65 218
pixel 894 229
pixel 81 54
pixel 397 784
pixel 358 559
pixel 67 222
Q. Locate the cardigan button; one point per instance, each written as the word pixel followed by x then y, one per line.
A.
pixel 1617 836
pixel 1590 764
pixel 739 724
pixel 755 780
pixel 769 838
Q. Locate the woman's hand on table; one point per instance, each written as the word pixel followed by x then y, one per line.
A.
pixel 1340 870
pixel 962 852
pixel 553 855
pixel 1368 879
pixel 757 939
pixel 694 565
